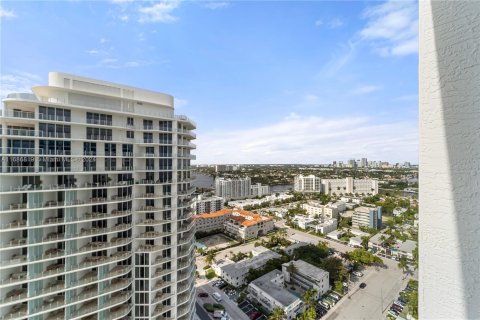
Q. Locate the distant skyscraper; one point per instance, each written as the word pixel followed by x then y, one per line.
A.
pixel 364 163
pixel 352 163
pixel 95 203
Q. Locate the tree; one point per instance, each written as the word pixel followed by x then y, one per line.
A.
pixel 335 269
pixel 277 314
pixel 210 257
pixel 309 297
pixel 415 257
pixel 360 256
pixel 365 242
pixel 402 264
pixel 310 314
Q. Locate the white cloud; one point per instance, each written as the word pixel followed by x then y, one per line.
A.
pixel 392 27
pixel 180 103
pixel 18 82
pixel 335 23
pixel 364 89
pixel 4 13
pixel 159 12
pixel 408 97
pixel 339 60
pixel 216 5
pixel 318 23
pixel 297 139
pixel 103 40
pixel 124 18
pixel 310 97
pixel 113 63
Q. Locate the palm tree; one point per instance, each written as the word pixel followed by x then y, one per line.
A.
pixel 210 257
pixel 402 264
pixel 309 297
pixel 277 314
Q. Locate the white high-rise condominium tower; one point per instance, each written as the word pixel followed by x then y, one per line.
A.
pixel 229 189
pixel 308 183
pixel 95 204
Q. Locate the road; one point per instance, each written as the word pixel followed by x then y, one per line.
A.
pixel 383 285
pixel 201 313
pixel 230 306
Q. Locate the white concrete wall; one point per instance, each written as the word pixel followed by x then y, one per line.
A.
pixel 449 160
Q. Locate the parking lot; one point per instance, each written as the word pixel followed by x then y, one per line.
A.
pixel 250 310
pixel 216 241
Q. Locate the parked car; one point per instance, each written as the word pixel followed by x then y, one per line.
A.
pixel 203 294
pixel 363 285
pixel 393 313
pixel 334 297
pixel 324 304
pixel 217 296
pixel 358 273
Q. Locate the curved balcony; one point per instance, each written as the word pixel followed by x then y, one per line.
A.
pixel 151 209
pixel 160 284
pixel 159 272
pixel 151 222
pixel 151 248
pixel 18 311
pixel 153 195
pixel 54 237
pixel 160 296
pixel 159 310
pixel 52 204
pixel 54 253
pixel 148 182
pixel 119 312
pixel 62 187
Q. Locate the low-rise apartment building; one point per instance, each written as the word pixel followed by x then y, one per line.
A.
pixel 235 273
pixel 370 217
pixel 405 249
pixel 327 226
pixel 235 222
pixel 206 222
pixel 269 291
pixel 247 225
pixel 305 276
pixel 328 211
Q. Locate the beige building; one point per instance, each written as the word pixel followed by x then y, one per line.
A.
pixel 370 217
pixel 235 222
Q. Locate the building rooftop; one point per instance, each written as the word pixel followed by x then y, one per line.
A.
pixel 255 262
pixel 294 246
pixel 213 214
pixel 245 218
pixel 376 239
pixel 408 246
pixel 280 294
pixel 308 270
pixel 364 209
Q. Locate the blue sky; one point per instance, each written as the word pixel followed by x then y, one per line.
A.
pixel 266 82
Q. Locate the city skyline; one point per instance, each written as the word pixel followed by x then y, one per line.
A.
pixel 266 82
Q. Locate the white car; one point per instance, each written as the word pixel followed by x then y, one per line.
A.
pixel 358 273
pixel 217 296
